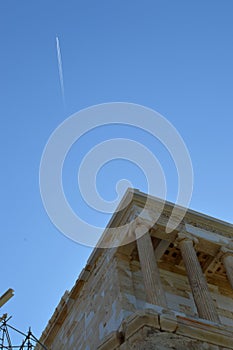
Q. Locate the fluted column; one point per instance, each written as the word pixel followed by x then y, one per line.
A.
pixel 202 297
pixel 227 260
pixel 150 271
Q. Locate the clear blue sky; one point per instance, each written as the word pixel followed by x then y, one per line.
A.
pixel 175 56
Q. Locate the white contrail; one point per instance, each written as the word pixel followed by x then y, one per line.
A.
pixel 60 70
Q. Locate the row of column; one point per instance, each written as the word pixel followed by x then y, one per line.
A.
pixel 151 276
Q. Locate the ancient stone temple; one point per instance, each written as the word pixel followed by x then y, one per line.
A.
pixel 155 289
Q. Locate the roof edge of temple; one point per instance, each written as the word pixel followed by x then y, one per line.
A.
pixel 133 198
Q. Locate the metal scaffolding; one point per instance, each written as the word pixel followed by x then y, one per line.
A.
pixel 29 341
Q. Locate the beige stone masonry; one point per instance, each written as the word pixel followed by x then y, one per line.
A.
pixel 138 320
pixel 168 322
pixel 189 328
pixel 218 335
pixel 112 341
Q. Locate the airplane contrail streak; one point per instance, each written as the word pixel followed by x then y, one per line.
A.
pixel 60 70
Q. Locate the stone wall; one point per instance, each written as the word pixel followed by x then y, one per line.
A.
pixel 149 339
pixel 96 310
pixel 161 330
pixel 112 291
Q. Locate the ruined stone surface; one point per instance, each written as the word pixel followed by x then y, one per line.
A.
pixel 108 307
pixel 167 341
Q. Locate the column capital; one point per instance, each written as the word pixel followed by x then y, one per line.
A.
pixel 183 236
pixel 226 251
pixel 142 226
pixel 140 221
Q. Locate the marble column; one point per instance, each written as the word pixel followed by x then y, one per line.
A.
pixel 227 260
pixel 202 297
pixel 150 271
